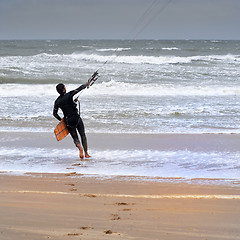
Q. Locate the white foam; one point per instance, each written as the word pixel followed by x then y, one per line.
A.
pixel 112 49
pixel 157 60
pixel 146 163
pixel 43 60
pixel 170 48
pixel 141 59
pixel 28 90
pixel 115 88
pixel 133 89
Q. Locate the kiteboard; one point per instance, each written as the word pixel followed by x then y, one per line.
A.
pixel 61 130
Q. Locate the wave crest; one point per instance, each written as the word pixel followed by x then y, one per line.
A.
pixel 56 59
pixel 114 88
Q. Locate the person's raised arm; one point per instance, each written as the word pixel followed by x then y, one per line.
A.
pixel 77 90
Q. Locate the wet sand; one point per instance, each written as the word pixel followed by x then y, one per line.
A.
pixel 60 206
pixel 162 142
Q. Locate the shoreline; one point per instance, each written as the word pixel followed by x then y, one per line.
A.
pixel 55 206
pixel 185 157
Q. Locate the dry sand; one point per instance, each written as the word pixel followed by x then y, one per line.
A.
pixel 50 206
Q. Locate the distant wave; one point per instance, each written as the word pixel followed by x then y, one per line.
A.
pixel 17 90
pixel 157 60
pixel 120 89
pixel 112 49
pixel 170 48
pixel 44 59
pixel 216 41
pixel 133 89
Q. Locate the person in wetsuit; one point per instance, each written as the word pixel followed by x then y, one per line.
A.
pixel 71 116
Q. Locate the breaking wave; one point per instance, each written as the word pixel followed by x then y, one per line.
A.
pixel 114 88
pixel 17 63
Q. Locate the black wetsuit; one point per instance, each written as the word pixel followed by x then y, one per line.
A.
pixel 71 115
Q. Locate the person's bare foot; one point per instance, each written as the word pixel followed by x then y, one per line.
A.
pixel 81 153
pixel 87 155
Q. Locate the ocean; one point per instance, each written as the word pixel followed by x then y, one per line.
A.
pixel 146 87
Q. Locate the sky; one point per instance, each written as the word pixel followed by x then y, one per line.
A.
pixel 120 19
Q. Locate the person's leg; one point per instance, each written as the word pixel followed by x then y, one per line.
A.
pixel 81 130
pixel 73 133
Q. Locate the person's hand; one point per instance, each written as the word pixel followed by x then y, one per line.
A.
pixel 88 84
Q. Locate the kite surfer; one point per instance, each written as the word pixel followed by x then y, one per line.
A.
pixel 72 117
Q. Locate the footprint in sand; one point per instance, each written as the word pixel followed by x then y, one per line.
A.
pixel 70 174
pixel 122 204
pixel 90 195
pixel 126 209
pixel 86 228
pixel 111 232
pixel 70 184
pixel 74 234
pixel 73 174
pixel 76 164
pixel 73 189
pixel 115 217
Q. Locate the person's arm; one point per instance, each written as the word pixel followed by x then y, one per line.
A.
pixel 55 113
pixel 77 90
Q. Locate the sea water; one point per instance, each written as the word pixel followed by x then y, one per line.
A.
pixel 145 87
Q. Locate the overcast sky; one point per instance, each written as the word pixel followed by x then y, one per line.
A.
pixel 119 19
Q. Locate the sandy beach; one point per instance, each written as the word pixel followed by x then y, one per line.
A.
pixel 69 206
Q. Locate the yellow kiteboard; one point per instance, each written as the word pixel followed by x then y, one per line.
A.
pixel 61 130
